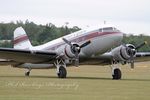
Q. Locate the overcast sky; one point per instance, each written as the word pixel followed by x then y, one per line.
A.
pixel 130 16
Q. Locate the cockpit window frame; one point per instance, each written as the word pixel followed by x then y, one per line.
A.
pixel 108 29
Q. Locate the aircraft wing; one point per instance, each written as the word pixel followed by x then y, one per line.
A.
pixel 103 59
pixel 106 58
pixel 27 56
pixel 142 56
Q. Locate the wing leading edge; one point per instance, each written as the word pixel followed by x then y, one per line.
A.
pixel 107 58
pixel 27 56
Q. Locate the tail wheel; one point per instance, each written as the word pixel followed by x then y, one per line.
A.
pixel 117 74
pixel 62 72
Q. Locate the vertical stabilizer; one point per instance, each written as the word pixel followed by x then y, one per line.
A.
pixel 21 40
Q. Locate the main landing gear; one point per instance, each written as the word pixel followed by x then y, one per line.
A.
pixel 61 68
pixel 62 72
pixel 116 72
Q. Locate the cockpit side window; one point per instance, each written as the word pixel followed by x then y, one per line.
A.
pixel 109 29
pixel 116 30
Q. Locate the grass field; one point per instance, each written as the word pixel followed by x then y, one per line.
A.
pixel 84 83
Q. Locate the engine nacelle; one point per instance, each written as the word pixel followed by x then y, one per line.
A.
pixel 34 66
pixel 66 51
pixel 123 53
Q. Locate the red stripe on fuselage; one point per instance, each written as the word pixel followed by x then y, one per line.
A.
pixel 20 39
pixel 83 38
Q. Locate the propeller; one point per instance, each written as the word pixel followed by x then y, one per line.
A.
pixel 132 52
pixel 76 49
pixel 140 45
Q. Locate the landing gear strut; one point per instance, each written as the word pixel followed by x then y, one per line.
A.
pixel 61 68
pixel 28 72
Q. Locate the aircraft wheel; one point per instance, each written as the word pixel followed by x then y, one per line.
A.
pixel 62 72
pixel 117 74
pixel 27 73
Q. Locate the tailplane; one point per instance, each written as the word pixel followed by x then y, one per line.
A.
pixel 21 40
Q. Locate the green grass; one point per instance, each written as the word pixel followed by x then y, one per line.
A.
pixel 84 83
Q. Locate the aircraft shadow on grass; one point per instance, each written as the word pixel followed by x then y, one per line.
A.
pixel 76 78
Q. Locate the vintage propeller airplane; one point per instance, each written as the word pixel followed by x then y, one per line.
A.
pixel 90 45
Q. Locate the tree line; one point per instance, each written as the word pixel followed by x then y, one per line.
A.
pixel 40 34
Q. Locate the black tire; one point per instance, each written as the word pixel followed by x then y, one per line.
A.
pixel 62 72
pixel 117 74
pixel 27 73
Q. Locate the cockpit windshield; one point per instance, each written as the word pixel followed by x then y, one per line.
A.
pixel 108 29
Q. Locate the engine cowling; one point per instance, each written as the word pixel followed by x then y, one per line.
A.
pixel 72 50
pixel 123 52
pixel 67 51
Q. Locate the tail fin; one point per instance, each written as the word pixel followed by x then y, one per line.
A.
pixel 21 40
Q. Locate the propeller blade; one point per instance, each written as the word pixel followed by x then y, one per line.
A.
pixel 132 64
pixel 66 41
pixel 132 58
pixel 85 44
pixel 142 44
pixel 76 59
pixel 77 63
